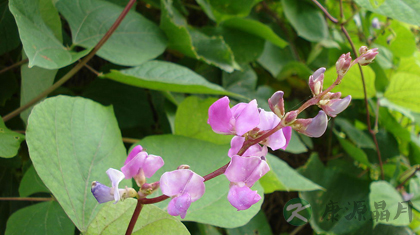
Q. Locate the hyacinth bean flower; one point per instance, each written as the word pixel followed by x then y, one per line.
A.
pixel 343 64
pixel 335 106
pixel 255 150
pixel 316 81
pixel 367 56
pixel 139 165
pixel 237 120
pixel 279 139
pixel 276 103
pixel 103 193
pixel 184 187
pixel 243 172
pixel 312 127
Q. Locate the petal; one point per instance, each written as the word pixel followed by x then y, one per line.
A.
pixel 151 165
pixel 115 176
pixel 246 117
pixel 277 140
pixel 179 205
pixel 220 117
pixel 133 167
pixel 242 198
pixel 268 120
pixel 287 132
pixel 338 106
pixel 133 153
pixel 177 182
pixel 318 125
pixel 246 170
pixel 101 192
pixel 255 150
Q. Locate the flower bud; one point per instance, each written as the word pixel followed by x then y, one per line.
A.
pixel 316 81
pixel 375 23
pixel 343 64
pixel 312 127
pixel 276 103
pixel 367 57
pixel 289 118
pixel 335 106
pixel 183 167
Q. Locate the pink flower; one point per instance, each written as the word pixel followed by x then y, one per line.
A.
pixel 343 64
pixel 276 103
pixel 255 150
pixel 335 106
pixel 185 187
pixel 312 127
pixel 140 165
pixel 237 120
pixel 316 81
pixel 242 198
pixel 279 139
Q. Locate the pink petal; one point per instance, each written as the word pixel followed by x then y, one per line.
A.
pixel 132 168
pixel 133 153
pixel 179 205
pixel 247 117
pixel 287 132
pixel 220 117
pixel 318 125
pixel 177 182
pixel 115 176
pixel 242 198
pixel 338 106
pixel 151 164
pixel 246 170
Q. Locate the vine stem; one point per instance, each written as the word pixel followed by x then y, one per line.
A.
pixel 76 68
pixel 14 65
pixel 409 177
pixel 134 218
pixel 346 34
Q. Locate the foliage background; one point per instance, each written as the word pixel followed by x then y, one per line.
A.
pixel 152 83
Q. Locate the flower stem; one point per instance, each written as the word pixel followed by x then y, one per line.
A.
pixel 134 218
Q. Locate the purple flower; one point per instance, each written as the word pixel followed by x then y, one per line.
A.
pixel 276 103
pixel 242 198
pixel 237 120
pixel 316 81
pixel 280 138
pixel 243 172
pixel 140 165
pixel 335 106
pixel 184 186
pixel 103 193
pixel 255 150
pixel 312 127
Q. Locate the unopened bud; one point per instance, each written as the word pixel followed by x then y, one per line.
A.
pixel 316 81
pixel 147 189
pixel 276 103
pixel 128 193
pixel 312 127
pixel 367 57
pixel 289 118
pixel 183 167
pixel 335 106
pixel 375 23
pixel 343 64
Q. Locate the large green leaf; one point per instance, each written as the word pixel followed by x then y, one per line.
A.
pixel 41 218
pixel 114 219
pixel 257 225
pixel 354 152
pixel 40 42
pixel 306 19
pixel 193 43
pixel 203 157
pixel 35 80
pixel 360 138
pixel 135 41
pixel 282 177
pixel 191 121
pixel 398 39
pixel 165 76
pixel 72 142
pixel 352 82
pixel 9 36
pixel 9 141
pixel 220 10
pixel 403 90
pixel 255 28
pixel 404 10
pixel 31 183
pixel 384 191
pixel 274 59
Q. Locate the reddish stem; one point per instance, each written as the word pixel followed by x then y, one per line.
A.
pixel 134 218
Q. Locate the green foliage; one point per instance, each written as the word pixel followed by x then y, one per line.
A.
pixel 9 141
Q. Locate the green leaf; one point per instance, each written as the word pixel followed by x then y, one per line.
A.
pixel 360 138
pixel 306 19
pixel 255 28
pixel 9 141
pixel 241 82
pixel 403 90
pixel 135 41
pixel 415 190
pixel 353 151
pixel 257 225
pixel 405 10
pixel 342 190
pixel 398 39
pixel 193 43
pixel 9 36
pixel 31 183
pixel 282 177
pixel 40 42
pixel 35 80
pixel 296 145
pixel 392 125
pixel 203 157
pixel 384 191
pixel 352 82
pixel 72 142
pixel 165 76
pixel 41 218
pixel 273 59
pixel 220 10
pixel 114 219
pixel 191 121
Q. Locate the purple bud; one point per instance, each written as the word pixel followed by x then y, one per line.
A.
pixel 336 106
pixel 316 81
pixel 184 186
pixel 290 117
pixel 312 127
pixel 238 120
pixel 375 23
pixel 343 64
pixel 242 198
pixel 276 103
pixel 246 170
pixel 368 57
